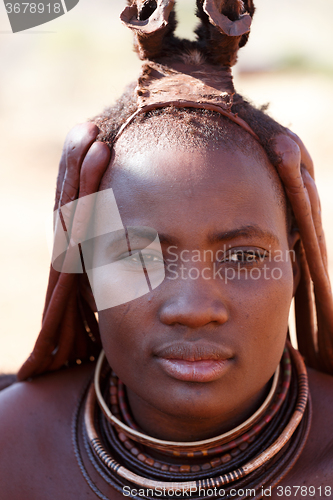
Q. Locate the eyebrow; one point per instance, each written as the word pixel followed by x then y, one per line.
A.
pixel 166 239
pixel 247 232
pixel 130 232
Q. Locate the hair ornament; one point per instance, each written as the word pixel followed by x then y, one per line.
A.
pixel 224 28
pixel 186 77
pixel 223 23
pixel 149 20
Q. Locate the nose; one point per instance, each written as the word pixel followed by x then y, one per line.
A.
pixel 195 305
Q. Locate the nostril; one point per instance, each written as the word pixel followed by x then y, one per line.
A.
pixel 147 10
pixel 193 313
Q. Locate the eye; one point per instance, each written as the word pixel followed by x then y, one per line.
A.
pixel 248 256
pixel 138 258
pixel 132 259
pixel 152 258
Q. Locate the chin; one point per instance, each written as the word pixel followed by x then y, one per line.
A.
pixel 190 401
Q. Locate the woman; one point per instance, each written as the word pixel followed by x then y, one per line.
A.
pixel 199 394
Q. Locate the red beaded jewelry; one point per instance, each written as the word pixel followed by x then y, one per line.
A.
pixel 246 467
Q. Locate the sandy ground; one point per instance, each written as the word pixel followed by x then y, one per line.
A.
pixel 68 70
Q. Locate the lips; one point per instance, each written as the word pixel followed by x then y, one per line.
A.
pixel 198 362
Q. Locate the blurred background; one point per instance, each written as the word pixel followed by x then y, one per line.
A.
pixel 63 72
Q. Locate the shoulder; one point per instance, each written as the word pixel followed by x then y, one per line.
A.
pixel 35 433
pixel 321 435
pixel 321 392
pixel 51 394
pixel 315 466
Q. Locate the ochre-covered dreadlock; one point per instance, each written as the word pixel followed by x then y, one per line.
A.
pixel 70 329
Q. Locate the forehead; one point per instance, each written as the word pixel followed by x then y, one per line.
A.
pixel 193 190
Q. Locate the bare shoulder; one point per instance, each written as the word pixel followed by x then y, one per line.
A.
pixel 35 434
pixel 320 381
pixel 33 401
pixel 314 468
pixel 321 391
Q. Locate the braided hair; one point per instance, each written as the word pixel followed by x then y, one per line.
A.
pixel 70 329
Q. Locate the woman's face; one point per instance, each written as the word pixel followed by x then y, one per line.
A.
pixel 199 350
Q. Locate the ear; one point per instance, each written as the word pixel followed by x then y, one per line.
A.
pixel 86 292
pixel 294 240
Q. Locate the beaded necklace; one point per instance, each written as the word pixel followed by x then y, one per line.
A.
pixel 123 422
pixel 256 454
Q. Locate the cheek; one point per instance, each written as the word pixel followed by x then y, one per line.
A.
pixel 262 310
pixel 122 330
pixel 268 287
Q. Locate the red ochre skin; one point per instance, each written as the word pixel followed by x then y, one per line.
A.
pixel 189 196
pixel 196 198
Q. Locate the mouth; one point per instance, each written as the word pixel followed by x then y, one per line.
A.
pixel 198 362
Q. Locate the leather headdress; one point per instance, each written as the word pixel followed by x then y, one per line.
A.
pixel 188 80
